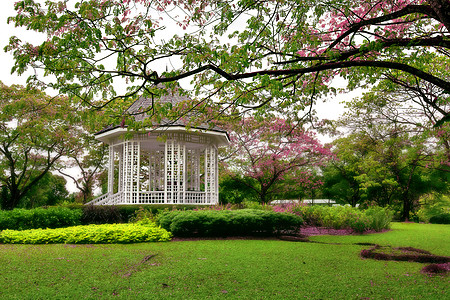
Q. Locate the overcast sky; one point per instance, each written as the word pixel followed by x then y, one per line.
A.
pixel 6 60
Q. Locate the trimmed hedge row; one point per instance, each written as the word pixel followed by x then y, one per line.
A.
pixel 88 234
pixel 440 219
pixel 72 215
pixel 228 222
pixel 108 214
pixel 53 217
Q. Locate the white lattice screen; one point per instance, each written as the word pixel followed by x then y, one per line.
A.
pixel 180 170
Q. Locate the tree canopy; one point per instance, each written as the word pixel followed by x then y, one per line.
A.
pixel 264 55
pixel 35 132
pixel 265 153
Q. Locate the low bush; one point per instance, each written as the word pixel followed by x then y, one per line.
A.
pixel 109 214
pixel 53 217
pixel 102 214
pixel 228 222
pixel 433 205
pixel 380 218
pixel 89 234
pixel 341 217
pixel 440 219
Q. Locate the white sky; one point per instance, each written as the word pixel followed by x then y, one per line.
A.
pixel 328 110
pixel 6 62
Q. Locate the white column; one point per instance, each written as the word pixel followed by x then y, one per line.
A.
pixel 167 172
pixel 216 175
pixel 120 177
pixel 206 176
pixel 197 170
pixel 111 170
pixel 174 179
pixel 182 170
pixel 211 178
pixel 130 172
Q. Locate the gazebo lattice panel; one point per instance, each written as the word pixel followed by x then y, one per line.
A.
pixel 181 168
pixel 175 171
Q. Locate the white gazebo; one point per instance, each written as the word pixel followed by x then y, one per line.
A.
pixel 168 164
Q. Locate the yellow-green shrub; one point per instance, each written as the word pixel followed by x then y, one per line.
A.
pixel 89 234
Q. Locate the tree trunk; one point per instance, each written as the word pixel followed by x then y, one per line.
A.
pixel 442 10
pixel 10 200
pixel 406 207
pixel 263 197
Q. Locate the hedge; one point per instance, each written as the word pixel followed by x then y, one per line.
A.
pixel 53 217
pixel 440 219
pixel 228 222
pixel 75 214
pixel 88 234
pixel 109 214
pixel 341 217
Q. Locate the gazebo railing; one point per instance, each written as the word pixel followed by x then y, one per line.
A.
pixel 107 199
pixel 157 197
pixel 99 200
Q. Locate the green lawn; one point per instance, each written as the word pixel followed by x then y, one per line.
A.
pixel 228 269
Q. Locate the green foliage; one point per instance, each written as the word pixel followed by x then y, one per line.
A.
pixel 35 132
pixel 432 205
pixel 53 217
pixel 228 222
pixel 143 215
pixel 340 182
pixel 380 218
pixel 289 66
pixel 89 234
pixel 99 214
pixel 342 217
pixel 50 190
pixel 256 205
pixel 235 191
pixel 103 214
pixel 385 167
pixel 443 218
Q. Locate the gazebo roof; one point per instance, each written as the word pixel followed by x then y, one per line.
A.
pixel 138 109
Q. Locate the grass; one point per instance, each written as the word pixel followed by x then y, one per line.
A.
pixel 226 269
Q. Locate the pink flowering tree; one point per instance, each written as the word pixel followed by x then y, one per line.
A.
pixel 260 55
pixel 273 151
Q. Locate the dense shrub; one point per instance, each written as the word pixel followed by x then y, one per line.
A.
pixel 440 219
pixel 228 222
pixel 109 214
pixel 432 205
pixel 53 217
pixel 341 217
pixel 89 234
pixel 101 214
pixel 380 218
